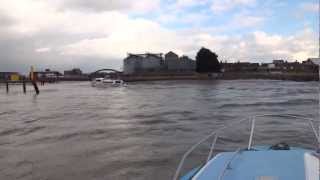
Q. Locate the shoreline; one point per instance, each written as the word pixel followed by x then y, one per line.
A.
pixel 197 76
pixel 223 76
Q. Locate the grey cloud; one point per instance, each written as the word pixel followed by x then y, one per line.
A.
pixel 18 49
pixel 95 5
pixel 6 20
pixel 126 6
pixel 18 54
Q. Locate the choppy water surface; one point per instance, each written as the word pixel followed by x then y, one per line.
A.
pixel 75 131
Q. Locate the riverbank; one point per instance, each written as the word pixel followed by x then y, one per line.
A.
pixel 277 76
pixel 223 76
pixel 164 76
pixel 196 76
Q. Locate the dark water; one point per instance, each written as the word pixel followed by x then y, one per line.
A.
pixel 75 131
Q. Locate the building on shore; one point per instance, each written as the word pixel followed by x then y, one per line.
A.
pixel 310 65
pixel 73 72
pixel 275 67
pixel 187 64
pixel 239 66
pixel 284 66
pixel 171 61
pixel 142 63
pixel 11 76
pixel 174 63
pixel 47 75
pixel 315 61
pixel 155 63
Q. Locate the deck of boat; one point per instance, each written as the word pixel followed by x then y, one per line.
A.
pixel 296 164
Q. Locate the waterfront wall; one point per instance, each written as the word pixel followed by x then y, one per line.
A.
pixel 159 76
pixel 221 76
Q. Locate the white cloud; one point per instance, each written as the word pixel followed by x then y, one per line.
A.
pixel 33 17
pixel 73 35
pixel 258 46
pixel 261 45
pixel 220 6
pixel 245 21
pixel 140 36
pixel 305 9
pixel 309 7
pixel 141 6
pixel 189 3
pixel 41 17
pixel 190 19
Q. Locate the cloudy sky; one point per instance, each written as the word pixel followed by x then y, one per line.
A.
pixel 93 34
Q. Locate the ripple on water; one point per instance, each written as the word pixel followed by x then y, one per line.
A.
pixel 275 103
pixel 10 131
pixel 141 130
pixel 31 130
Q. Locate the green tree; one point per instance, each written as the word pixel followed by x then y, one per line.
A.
pixel 207 61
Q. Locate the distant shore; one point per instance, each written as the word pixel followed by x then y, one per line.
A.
pixel 223 76
pixel 281 76
pixel 197 76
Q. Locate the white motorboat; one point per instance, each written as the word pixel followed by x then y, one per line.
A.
pixel 107 81
pixel 96 81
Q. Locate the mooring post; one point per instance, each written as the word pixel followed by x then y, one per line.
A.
pixel 34 83
pixel 24 85
pixel 7 86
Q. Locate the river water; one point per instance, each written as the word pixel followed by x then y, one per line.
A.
pixel 75 131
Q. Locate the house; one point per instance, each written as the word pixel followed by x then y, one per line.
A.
pixel 171 56
pixel 314 60
pixel 239 67
pixel 278 62
pixel 271 66
pixel 310 65
pixel 187 64
pixel 293 66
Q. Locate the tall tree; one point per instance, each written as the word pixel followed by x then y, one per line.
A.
pixel 207 61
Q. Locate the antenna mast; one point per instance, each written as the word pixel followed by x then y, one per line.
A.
pixel 319 76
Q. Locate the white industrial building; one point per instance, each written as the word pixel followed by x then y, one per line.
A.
pixel 179 64
pixel 172 61
pixel 149 62
pixel 139 63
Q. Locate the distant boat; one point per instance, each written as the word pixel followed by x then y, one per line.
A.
pixel 107 81
pixel 273 162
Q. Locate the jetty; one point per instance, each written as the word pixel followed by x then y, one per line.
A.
pixel 23 84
